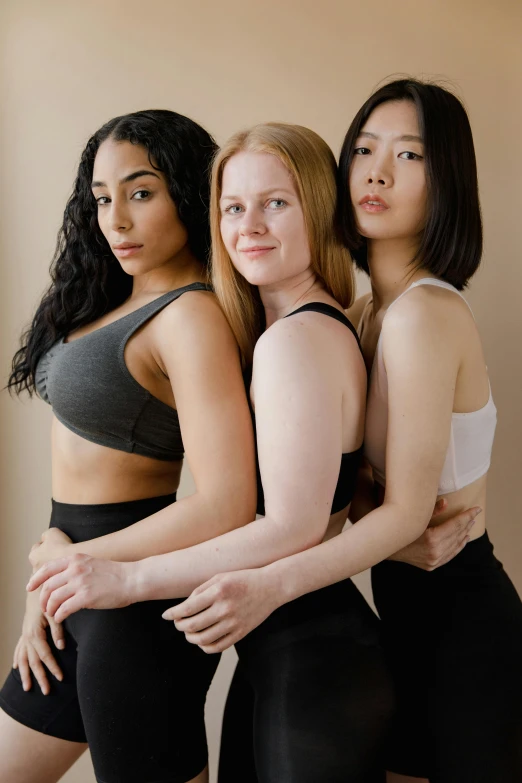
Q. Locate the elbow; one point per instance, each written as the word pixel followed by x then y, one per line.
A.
pixel 416 524
pixel 298 538
pixel 232 509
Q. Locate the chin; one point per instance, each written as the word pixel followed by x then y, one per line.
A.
pixel 135 268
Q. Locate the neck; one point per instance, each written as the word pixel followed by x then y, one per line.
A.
pixel 391 271
pixel 179 271
pixel 281 298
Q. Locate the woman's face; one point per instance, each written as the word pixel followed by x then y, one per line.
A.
pixel 262 222
pixel 136 214
pixel 387 174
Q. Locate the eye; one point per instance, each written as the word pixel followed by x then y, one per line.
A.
pixel 102 200
pixel 233 209
pixel 410 156
pixel 140 195
pixel 277 203
pixel 361 151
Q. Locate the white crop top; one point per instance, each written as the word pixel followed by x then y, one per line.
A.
pixel 471 437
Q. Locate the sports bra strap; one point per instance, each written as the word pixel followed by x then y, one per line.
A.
pixel 326 309
pixel 432 281
pixel 138 317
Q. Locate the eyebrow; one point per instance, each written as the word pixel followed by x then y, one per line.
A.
pixel 263 194
pixel 405 137
pixel 128 178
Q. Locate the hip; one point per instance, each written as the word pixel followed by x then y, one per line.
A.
pixel 82 522
pixel 338 611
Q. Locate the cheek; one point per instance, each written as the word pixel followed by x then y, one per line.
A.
pixel 290 230
pixel 228 235
pixel 420 204
pixel 103 221
pixel 165 228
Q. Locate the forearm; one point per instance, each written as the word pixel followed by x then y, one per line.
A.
pixel 374 538
pixel 363 501
pixel 176 574
pixel 180 525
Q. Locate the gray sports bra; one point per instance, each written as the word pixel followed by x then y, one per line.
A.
pixel 92 392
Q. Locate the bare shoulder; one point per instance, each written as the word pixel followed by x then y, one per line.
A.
pixel 309 340
pixel 287 338
pixel 196 315
pixel 428 309
pixel 355 312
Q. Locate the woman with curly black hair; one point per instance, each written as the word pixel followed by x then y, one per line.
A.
pixel 131 349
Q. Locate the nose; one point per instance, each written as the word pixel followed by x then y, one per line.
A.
pixel 379 172
pixel 252 222
pixel 119 219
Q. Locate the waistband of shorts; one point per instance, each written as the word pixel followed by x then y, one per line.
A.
pixel 476 552
pixel 86 512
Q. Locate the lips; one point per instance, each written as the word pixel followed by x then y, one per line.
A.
pixel 373 203
pixel 256 250
pixel 126 249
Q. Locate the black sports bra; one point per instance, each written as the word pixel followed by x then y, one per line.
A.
pixel 92 392
pixel 350 461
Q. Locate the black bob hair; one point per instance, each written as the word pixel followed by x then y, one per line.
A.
pixel 87 279
pixel 451 243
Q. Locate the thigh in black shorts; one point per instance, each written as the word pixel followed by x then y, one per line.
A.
pixel 453 638
pixel 133 687
pixel 311 698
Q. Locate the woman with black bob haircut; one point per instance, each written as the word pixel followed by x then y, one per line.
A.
pixel 451 618
pixel 451 243
pixel 132 351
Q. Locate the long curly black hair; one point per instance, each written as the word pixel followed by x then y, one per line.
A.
pixel 86 278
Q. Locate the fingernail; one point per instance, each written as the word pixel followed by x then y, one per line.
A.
pixel 60 644
pixel 472 523
pixel 164 615
pixel 478 512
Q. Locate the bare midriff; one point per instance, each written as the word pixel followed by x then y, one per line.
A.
pixel 467 497
pixel 87 473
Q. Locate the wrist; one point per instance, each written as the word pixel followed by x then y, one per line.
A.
pixel 136 582
pixel 279 584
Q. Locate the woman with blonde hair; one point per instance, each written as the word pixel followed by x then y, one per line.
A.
pixel 314 669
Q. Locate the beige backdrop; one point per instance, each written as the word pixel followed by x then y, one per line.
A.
pixel 69 67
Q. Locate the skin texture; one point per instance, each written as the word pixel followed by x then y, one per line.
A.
pixel 201 378
pixel 318 364
pixel 230 604
pixel 280 361
pixel 441 376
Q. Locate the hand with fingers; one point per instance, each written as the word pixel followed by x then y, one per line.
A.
pixel 53 544
pixel 82 582
pixel 223 610
pixel 440 543
pixel 33 649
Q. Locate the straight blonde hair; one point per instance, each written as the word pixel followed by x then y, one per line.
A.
pixel 312 165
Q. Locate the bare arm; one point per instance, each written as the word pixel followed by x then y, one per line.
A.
pixel 298 399
pixel 298 422
pixel 422 363
pixel 199 353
